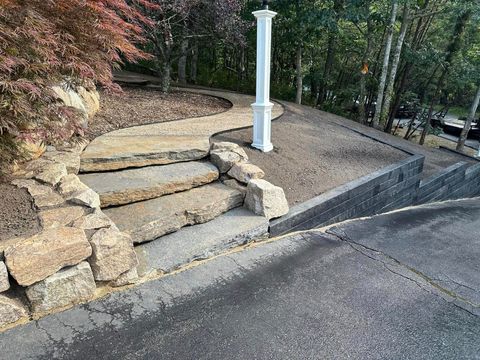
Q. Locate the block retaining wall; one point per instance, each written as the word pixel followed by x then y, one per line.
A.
pixel 394 187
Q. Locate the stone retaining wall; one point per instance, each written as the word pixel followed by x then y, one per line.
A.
pixel 78 248
pixel 394 187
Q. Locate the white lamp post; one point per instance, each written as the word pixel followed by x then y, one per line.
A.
pixel 262 108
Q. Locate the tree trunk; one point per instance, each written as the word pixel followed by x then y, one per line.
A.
pixel 327 70
pixel 299 76
pixel 452 50
pixel 165 76
pixel 193 63
pixel 393 71
pixel 468 123
pixel 365 70
pixel 182 62
pixel 386 60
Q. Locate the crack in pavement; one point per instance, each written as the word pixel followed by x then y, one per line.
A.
pixel 423 281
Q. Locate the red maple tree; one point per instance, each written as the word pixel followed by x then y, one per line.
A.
pixel 50 42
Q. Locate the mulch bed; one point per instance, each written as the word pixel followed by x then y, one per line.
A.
pixel 138 106
pixel 17 214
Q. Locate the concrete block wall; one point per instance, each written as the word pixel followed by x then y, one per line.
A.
pixel 466 185
pixel 441 186
pixel 394 187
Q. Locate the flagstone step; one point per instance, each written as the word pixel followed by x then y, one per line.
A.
pixel 234 228
pixel 132 185
pixel 148 220
pixel 136 147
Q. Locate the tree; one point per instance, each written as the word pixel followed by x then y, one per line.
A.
pixel 468 122
pixel 386 59
pixel 396 60
pixel 452 50
pixel 181 22
pixel 45 43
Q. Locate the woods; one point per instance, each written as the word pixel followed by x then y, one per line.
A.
pixel 356 58
pixel 362 59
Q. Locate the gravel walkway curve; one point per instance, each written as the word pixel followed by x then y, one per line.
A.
pixel 162 143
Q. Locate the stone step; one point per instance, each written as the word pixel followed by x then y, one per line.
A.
pixel 132 185
pixel 135 147
pixel 234 228
pixel 148 220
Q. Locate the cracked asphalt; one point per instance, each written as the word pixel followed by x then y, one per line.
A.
pixel 403 285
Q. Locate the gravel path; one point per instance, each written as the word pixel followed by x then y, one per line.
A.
pixel 139 106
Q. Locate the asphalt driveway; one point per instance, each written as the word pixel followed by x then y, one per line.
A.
pixel 396 286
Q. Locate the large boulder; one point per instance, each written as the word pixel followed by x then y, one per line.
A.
pixel 224 160
pixel 91 100
pixel 113 254
pixel 11 310
pixel 69 158
pixel 225 154
pixel 52 173
pixel 42 255
pixel 4 282
pixel 244 172
pixel 59 217
pixel 94 221
pixel 266 199
pixel 86 197
pixel 67 287
pixel 71 184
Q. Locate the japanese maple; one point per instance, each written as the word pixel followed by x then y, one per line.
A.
pixel 50 42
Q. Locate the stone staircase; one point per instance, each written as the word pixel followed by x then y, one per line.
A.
pixel 175 213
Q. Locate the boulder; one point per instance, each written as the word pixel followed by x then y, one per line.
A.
pixel 71 184
pixel 94 221
pixel 69 286
pixel 224 160
pixel 128 278
pixel 4 282
pixel 59 217
pixel 86 197
pixel 70 159
pixel 37 165
pixel 42 255
pixel 51 174
pixel 91 100
pixel 112 254
pixel 43 195
pixel 11 310
pixel 244 172
pixel 266 199
pixel 229 146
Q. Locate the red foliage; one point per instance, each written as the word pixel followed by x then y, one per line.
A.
pixel 48 42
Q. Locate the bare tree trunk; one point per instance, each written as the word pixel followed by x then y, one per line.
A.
pixel 328 68
pixel 182 62
pixel 386 60
pixel 395 62
pixel 165 77
pixel 365 70
pixel 299 76
pixel 194 63
pixel 468 123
